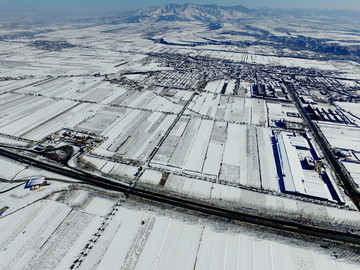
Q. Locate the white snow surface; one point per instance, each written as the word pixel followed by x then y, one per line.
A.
pixel 50 234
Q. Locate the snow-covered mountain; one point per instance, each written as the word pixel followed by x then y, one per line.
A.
pixel 191 12
pixel 214 13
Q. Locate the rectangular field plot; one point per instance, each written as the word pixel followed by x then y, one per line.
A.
pixel 230 108
pixel 78 88
pixel 44 234
pixel 36 117
pixel 132 135
pixel 147 100
pixel 341 136
pixel 102 120
pixel 221 87
pixel 189 187
pixel 230 152
pixel 139 240
pixel 11 85
pixel 225 250
pixel 126 172
pixel 176 96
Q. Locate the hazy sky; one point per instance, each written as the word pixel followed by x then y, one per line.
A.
pixel 101 6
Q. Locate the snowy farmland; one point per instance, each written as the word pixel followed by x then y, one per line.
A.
pixel 341 136
pixel 116 169
pixel 229 108
pixel 218 150
pixel 270 204
pixel 10 85
pixel 134 134
pixel 36 117
pixel 36 112
pixel 78 228
pixel 134 123
pixel 221 87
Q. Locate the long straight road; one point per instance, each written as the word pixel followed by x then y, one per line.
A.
pixel 332 234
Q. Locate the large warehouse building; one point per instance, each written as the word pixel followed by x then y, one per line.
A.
pixel 296 179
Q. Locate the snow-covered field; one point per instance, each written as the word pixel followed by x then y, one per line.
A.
pixel 217 87
pixel 76 229
pixel 46 235
pixel 36 117
pixel 123 171
pixel 271 205
pixel 134 134
pixel 341 136
pixel 230 108
pixel 218 150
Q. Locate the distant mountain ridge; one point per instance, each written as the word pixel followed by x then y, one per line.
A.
pixel 192 12
pixel 174 12
pixel 214 13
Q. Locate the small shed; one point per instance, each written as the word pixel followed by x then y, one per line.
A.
pixel 35 182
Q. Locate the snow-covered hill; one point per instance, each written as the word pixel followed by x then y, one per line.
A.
pixel 192 12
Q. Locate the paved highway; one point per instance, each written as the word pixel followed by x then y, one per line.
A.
pixel 332 234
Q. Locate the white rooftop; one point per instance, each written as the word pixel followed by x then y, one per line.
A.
pixel 295 181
